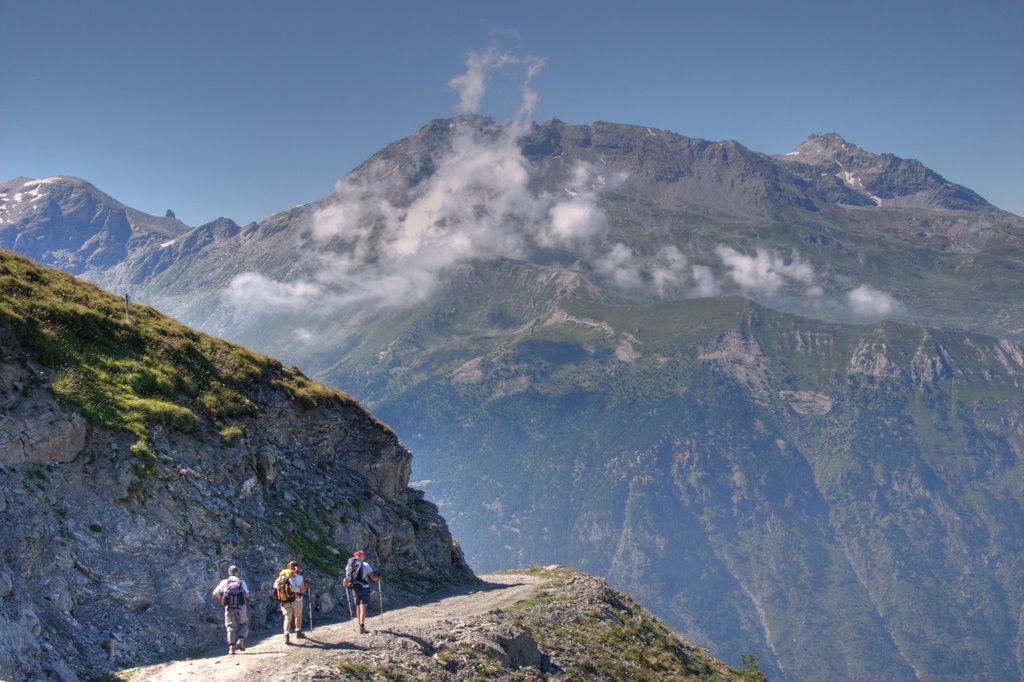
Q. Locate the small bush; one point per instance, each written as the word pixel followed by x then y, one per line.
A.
pixel 356 670
pixel 229 434
pixel 221 401
pixel 164 412
pixel 150 382
pixel 752 668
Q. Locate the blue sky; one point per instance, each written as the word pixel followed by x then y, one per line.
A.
pixel 243 109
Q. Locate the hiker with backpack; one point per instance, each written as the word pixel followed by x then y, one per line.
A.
pixel 233 595
pixel 358 574
pixel 288 590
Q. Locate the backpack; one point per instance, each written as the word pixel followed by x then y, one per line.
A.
pixel 354 573
pixel 283 591
pixel 234 595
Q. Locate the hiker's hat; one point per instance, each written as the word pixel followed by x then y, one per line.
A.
pixel 359 552
pixel 232 570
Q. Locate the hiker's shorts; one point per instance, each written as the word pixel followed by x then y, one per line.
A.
pixel 291 609
pixel 362 594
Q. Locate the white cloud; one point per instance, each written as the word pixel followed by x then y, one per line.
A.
pixel 766 272
pixel 706 284
pixel 619 267
pixel 792 284
pixel 668 270
pixel 574 220
pixel 662 275
pixel 476 205
pixel 389 242
pixel 252 290
pixel 471 85
pixel 579 218
pixel 359 209
pixel 867 302
pixel 380 240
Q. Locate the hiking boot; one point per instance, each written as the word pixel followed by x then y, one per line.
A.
pixel 362 629
pixel 241 645
pixel 299 635
pixel 231 650
pixel 287 638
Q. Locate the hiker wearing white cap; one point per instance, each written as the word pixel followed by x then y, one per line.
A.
pixel 233 595
pixel 288 589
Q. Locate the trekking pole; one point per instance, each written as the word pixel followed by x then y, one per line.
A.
pixel 351 615
pixel 380 595
pixel 309 593
pixel 348 600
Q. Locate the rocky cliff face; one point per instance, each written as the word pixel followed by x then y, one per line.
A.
pixel 109 550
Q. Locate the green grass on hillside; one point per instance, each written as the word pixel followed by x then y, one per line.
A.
pixel 132 369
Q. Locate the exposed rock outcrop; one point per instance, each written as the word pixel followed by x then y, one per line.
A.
pixel 33 429
pixel 109 550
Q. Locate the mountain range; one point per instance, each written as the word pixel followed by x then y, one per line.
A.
pixel 777 398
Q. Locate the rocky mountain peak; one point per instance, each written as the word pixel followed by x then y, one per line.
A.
pixel 817 149
pixel 68 222
pixel 849 175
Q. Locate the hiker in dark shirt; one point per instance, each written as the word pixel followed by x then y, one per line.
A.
pixel 358 575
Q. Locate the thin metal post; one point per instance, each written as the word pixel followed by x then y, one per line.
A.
pixel 309 593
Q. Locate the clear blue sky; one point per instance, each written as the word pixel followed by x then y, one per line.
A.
pixel 242 109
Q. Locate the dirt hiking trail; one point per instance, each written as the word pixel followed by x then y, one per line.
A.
pixel 404 632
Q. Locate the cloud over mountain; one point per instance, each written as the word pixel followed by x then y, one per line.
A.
pixel 867 302
pixel 388 233
pixel 477 204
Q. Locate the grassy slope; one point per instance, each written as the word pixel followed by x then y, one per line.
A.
pixel 129 369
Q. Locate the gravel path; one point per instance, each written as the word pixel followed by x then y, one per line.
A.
pixel 408 631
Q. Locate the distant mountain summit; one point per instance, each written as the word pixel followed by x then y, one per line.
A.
pixel 68 223
pixel 647 214
pixel 691 173
pixel 829 230
pixel 849 175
